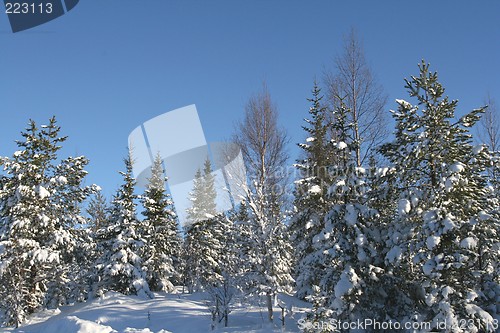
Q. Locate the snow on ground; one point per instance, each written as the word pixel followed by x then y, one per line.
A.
pixel 165 313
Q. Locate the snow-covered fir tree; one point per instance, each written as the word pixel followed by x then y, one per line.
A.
pixel 97 210
pixel 203 195
pixel 223 282
pixel 196 212
pixel 82 276
pixel 200 248
pixel 211 259
pixel 487 250
pixel 242 236
pixel 442 241
pixel 311 192
pixel 119 265
pixel 159 230
pixel 209 193
pixel 494 171
pixel 202 254
pixel 267 257
pixel 346 248
pixel 40 204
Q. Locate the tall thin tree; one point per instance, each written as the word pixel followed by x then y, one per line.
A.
pixel 489 134
pixel 311 191
pixel 353 82
pixel 119 266
pixel 201 249
pixel 489 125
pixel 263 145
pixel 159 230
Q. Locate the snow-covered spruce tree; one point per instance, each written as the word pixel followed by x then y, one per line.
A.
pixel 388 299
pixel 209 193
pixel 200 249
pixel 87 254
pixel 267 256
pixel 495 172
pixel 97 210
pixel 243 245
pixel 119 265
pixel 39 208
pixel 489 134
pixel 311 190
pixel 443 238
pixel 222 283
pixel 347 247
pixel 211 261
pixel 242 232
pixel 196 212
pixel 81 269
pixel 203 195
pixel 159 230
pixel 488 250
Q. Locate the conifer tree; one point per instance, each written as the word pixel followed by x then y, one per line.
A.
pixel 267 259
pixel 346 247
pixel 200 249
pixel 221 266
pixel 98 211
pixel 159 230
pixel 311 192
pixel 202 196
pixel 119 266
pixel 442 238
pixel 209 193
pixel 195 212
pixel 212 262
pixel 40 204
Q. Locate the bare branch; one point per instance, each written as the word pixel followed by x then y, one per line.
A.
pixel 489 126
pixel 353 82
pixel 263 146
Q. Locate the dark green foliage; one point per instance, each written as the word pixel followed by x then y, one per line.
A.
pixel 444 230
pixel 39 206
pixel 159 230
pixel 311 191
pixel 119 244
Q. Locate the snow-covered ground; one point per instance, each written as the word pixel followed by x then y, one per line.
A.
pixel 175 312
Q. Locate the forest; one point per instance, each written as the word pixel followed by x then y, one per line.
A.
pixel 363 224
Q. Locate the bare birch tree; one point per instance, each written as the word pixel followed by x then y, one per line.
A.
pixel 489 126
pixel 489 134
pixel 353 82
pixel 263 146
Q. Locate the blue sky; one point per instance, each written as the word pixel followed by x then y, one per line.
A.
pixel 107 66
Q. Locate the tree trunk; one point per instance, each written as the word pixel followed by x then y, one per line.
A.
pixel 270 313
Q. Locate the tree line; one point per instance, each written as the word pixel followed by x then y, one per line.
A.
pixel 405 230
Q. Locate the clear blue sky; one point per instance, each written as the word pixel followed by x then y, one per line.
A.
pixel 107 66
